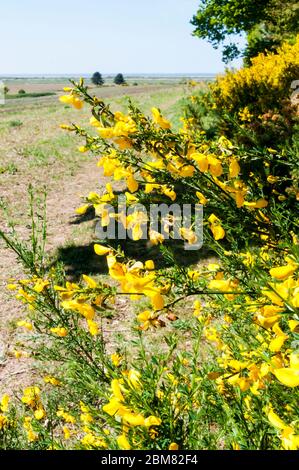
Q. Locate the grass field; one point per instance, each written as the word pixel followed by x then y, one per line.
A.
pixel 35 150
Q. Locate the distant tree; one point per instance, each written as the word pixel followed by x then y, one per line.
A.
pixel 266 23
pixel 97 79
pixel 22 92
pixel 6 90
pixel 119 79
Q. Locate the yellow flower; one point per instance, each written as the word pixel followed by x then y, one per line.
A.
pixel 18 354
pixel 12 286
pixel 85 309
pixel 93 327
pixel 218 232
pixel 216 228
pixel 156 237
pixel 89 281
pixel 186 171
pixel 220 284
pixel 116 359
pixel 4 403
pixel 188 235
pixel 289 376
pixel 158 119
pixel 31 396
pixel 215 167
pixel 82 149
pixel 235 446
pixel 66 432
pixel 259 204
pixel 275 420
pixel 234 168
pixel 82 210
pixel 59 331
pixel 202 199
pixel 115 407
pixel 197 308
pixel 148 318
pixel 3 422
pixel 123 442
pixel 65 416
pixel 170 193
pixel 152 421
pixel 94 122
pixel 73 100
pixel 202 161
pixel 116 390
pixel 133 419
pixel 101 249
pixel 173 446
pixel 149 264
pixel 136 221
pixel 289 440
pixel 132 184
pixel 277 343
pixel 294 325
pixel 134 379
pixel 52 380
pixel 272 179
pixel 283 272
pixel 194 275
pixel 32 436
pixel 268 315
pixel 39 413
pixel 245 115
pixel 25 324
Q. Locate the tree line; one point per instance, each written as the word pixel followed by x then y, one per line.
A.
pixel 98 80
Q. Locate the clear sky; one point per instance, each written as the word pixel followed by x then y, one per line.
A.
pixel 81 36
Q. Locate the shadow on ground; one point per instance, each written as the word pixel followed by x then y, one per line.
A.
pixel 81 259
pixel 78 260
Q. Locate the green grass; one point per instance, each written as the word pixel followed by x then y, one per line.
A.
pixel 15 123
pixel 29 95
pixel 10 168
pixel 169 101
pixel 57 148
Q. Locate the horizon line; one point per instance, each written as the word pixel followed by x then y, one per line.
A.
pixel 21 74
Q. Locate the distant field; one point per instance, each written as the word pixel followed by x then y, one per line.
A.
pixel 55 85
pixel 56 89
pixel 33 122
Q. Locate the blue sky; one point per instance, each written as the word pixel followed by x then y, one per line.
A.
pixel 72 36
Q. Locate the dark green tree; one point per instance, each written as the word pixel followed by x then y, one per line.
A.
pixel 97 79
pixel 266 23
pixel 119 79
